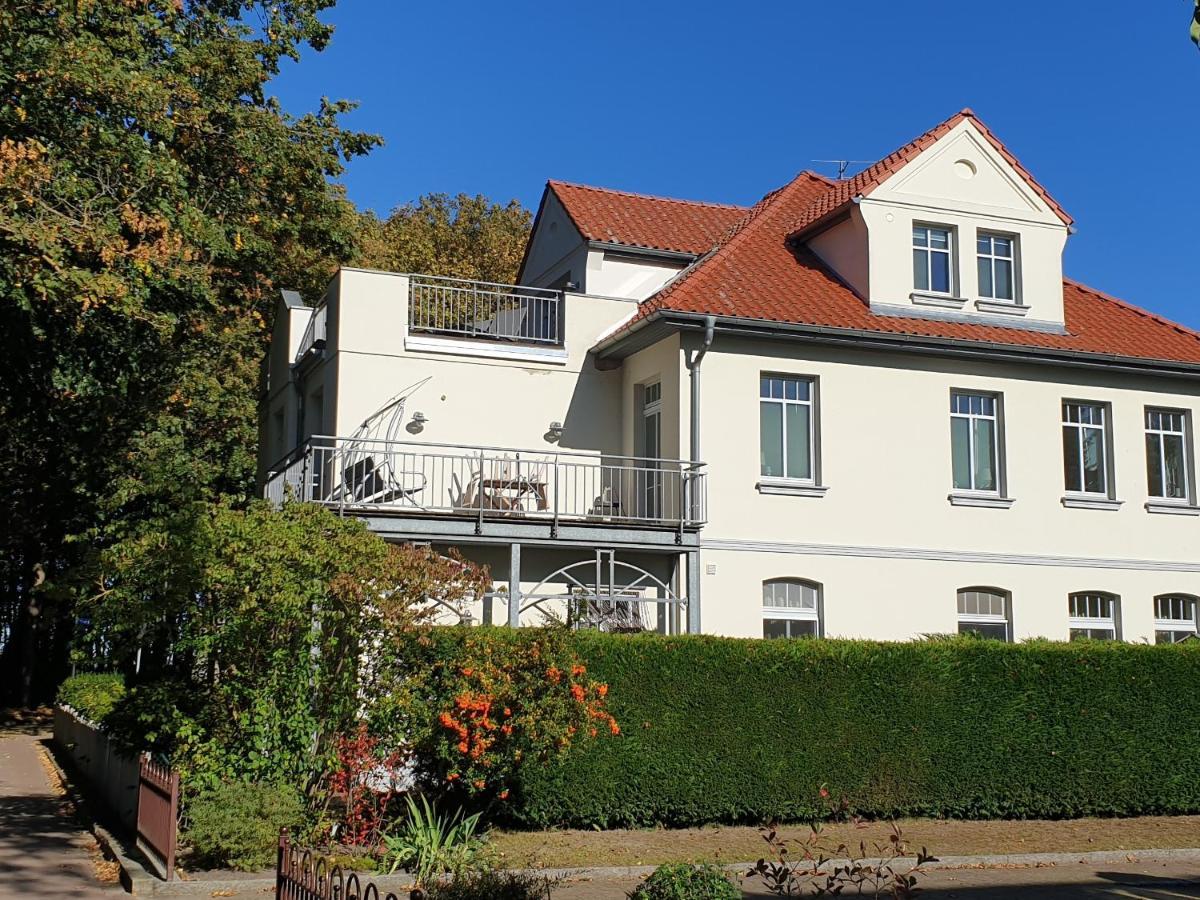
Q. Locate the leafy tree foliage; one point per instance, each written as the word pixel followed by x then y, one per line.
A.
pixel 261 634
pixel 152 199
pixel 462 236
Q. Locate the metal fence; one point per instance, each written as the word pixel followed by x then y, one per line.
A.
pixel 158 815
pixel 302 875
pixel 491 482
pixel 481 309
pixel 315 333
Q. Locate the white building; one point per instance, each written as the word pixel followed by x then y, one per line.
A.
pixel 865 408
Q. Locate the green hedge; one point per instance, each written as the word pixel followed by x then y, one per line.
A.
pixel 92 696
pixel 728 730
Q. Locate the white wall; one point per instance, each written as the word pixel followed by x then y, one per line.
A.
pixel 885 458
pixel 612 274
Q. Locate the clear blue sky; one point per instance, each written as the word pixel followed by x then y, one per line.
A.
pixel 725 101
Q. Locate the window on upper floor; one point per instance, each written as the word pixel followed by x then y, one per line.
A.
pixel 1086 457
pixel 985 612
pixel 1094 614
pixel 975 441
pixel 786 427
pixel 1174 618
pixel 933 259
pixel 996 255
pixel 1167 454
pixel 791 608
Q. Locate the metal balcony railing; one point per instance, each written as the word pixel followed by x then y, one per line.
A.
pixel 315 333
pixel 365 475
pixel 455 307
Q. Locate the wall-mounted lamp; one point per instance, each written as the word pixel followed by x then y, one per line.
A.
pixel 417 425
pixel 554 432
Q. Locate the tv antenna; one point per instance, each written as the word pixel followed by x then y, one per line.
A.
pixel 844 164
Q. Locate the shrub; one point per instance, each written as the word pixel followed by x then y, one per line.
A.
pixel 92 696
pixel 731 730
pixel 491 885
pixel 236 824
pixel 680 881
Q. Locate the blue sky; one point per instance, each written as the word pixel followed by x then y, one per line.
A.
pixel 723 102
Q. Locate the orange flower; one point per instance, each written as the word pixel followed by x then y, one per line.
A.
pixel 592 732
pixel 479 783
pixel 453 776
pixel 577 692
pixel 468 672
pixel 447 720
pixel 506 729
pixel 462 747
pixel 507 711
pixel 554 674
pixel 503 795
pixel 614 727
pixel 602 690
pixel 578 670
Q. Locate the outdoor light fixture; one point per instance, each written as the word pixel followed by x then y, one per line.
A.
pixel 417 425
pixel 554 432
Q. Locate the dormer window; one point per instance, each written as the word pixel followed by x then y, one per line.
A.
pixel 996 272
pixel 932 259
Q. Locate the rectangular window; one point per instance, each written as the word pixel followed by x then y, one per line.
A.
pixel 1085 448
pixel 1093 616
pixel 996 273
pixel 984 612
pixel 785 427
pixel 1167 462
pixel 975 441
pixel 791 608
pixel 1174 619
pixel 932 259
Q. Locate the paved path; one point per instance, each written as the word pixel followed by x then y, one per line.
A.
pixel 1143 880
pixel 43 852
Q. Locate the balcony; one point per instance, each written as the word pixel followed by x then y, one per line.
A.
pixel 480 310
pixel 478 485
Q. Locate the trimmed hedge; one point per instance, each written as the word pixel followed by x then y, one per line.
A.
pixel 92 696
pixel 731 730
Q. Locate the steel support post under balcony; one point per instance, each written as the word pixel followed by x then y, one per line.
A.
pixel 514 586
pixel 693 592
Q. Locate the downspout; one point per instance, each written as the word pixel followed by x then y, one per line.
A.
pixel 693 361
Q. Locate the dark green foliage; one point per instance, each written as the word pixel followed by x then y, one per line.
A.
pixel 727 730
pixel 680 881
pixel 236 824
pixel 491 885
pixel 92 696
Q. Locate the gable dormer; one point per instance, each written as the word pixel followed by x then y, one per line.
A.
pixel 949 227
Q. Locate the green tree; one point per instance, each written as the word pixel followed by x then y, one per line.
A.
pixel 153 198
pixel 462 236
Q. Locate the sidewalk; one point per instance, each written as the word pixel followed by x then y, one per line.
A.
pixel 43 851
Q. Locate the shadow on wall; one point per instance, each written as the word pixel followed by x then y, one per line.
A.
pixel 593 418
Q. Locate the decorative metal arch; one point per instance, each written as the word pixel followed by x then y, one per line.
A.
pixel 604 593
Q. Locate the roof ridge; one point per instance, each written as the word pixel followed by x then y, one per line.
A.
pixel 738 229
pixel 1134 308
pixel 603 190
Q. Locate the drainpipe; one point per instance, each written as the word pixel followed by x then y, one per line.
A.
pixel 693 364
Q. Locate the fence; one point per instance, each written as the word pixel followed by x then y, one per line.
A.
pixel 299 875
pixel 158 815
pixel 492 482
pixel 480 309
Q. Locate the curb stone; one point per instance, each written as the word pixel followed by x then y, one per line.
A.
pixel 142 882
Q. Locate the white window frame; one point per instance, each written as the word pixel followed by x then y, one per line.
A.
pixel 1098 622
pixel 813 477
pixel 986 618
pixel 1106 450
pixel 992 258
pixel 928 248
pixel 794 613
pixel 1185 434
pixel 997 419
pixel 1176 625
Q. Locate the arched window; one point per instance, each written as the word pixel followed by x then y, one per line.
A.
pixel 985 611
pixel 1095 614
pixel 1175 618
pixel 791 608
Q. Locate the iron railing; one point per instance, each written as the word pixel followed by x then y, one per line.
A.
pixel 315 333
pixel 362 475
pixel 304 875
pixel 455 307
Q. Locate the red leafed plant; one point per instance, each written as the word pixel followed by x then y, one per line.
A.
pixel 514 702
pixel 365 781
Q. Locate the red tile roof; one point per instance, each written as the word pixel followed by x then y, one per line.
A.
pixel 750 267
pixel 639 220
pixel 873 176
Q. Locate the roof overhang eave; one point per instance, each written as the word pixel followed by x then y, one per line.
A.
pixel 663 322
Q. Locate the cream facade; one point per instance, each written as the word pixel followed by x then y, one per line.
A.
pixel 762 479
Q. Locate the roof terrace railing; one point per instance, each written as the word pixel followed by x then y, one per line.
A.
pixel 366 476
pixel 455 307
pixel 315 333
